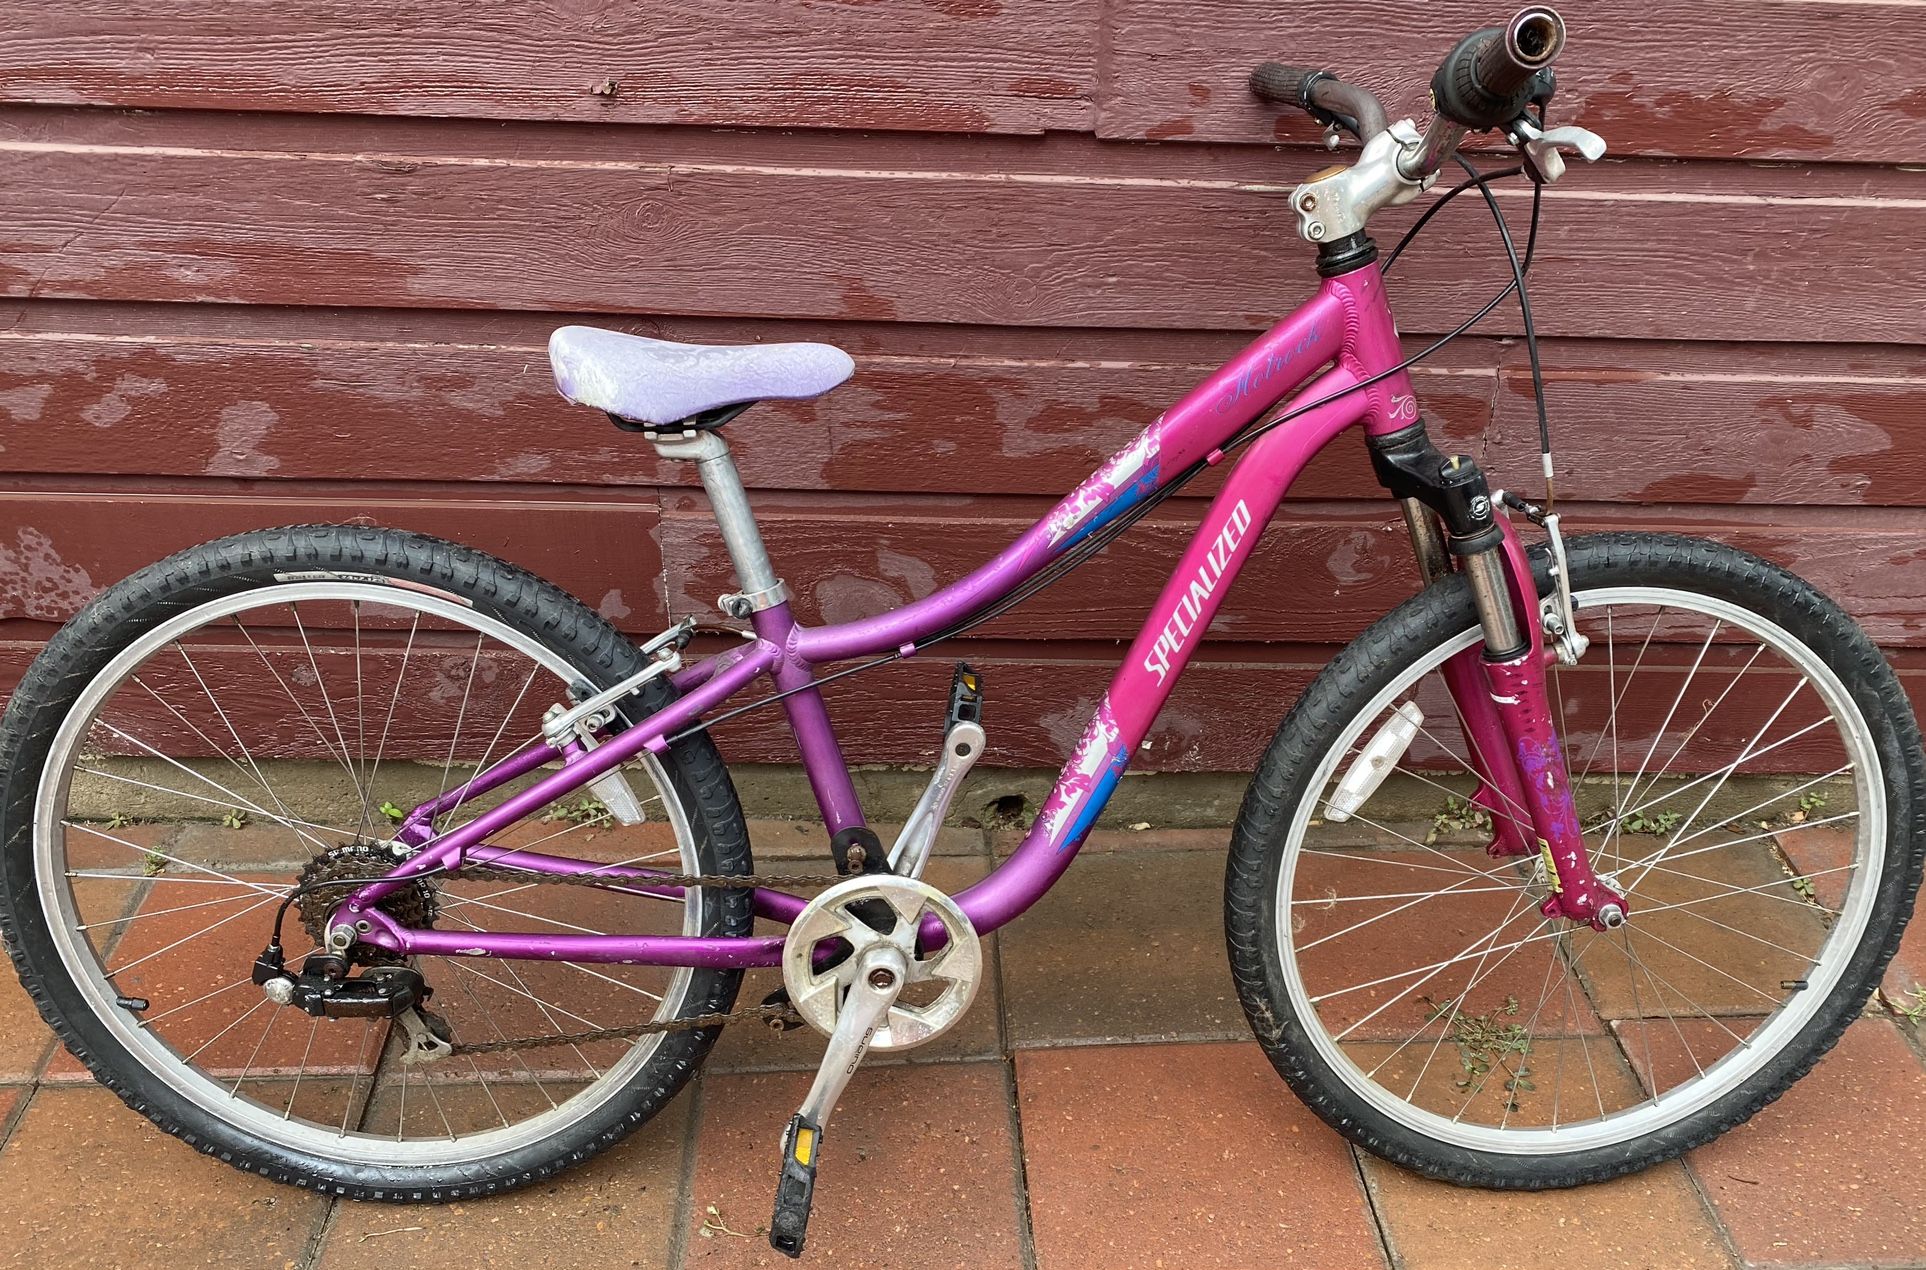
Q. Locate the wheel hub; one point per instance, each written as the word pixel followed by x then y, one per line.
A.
pixel 336 872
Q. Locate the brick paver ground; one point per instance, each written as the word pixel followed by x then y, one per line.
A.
pixel 1103 1107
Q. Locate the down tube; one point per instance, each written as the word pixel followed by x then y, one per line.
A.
pixel 1191 598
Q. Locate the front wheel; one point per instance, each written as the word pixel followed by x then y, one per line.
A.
pixel 1749 774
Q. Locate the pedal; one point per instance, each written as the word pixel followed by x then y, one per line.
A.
pixel 966 698
pixel 870 984
pixel 796 1188
pixel 963 742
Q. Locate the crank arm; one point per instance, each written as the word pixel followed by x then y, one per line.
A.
pixel 876 981
pixel 911 852
pixel 963 741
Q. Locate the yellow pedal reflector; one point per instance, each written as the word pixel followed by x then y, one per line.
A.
pixel 805 1148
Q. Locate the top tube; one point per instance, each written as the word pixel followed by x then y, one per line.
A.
pixel 1266 370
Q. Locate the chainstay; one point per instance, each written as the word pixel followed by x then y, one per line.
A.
pixel 617 881
pixel 782 1014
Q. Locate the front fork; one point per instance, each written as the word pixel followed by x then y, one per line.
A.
pixel 1499 687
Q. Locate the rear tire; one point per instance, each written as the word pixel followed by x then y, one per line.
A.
pixel 400 565
pixel 1401 1120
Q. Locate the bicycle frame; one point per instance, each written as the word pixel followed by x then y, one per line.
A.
pixel 1347 325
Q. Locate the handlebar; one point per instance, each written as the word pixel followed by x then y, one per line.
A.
pixel 1322 95
pixel 1486 81
pixel 1493 74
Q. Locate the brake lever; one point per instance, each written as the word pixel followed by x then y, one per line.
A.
pixel 1541 147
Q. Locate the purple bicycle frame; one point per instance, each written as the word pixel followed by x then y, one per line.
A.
pixel 1346 326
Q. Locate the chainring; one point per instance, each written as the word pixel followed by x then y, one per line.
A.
pixel 336 872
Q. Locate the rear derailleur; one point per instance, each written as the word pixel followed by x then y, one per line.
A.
pixel 323 987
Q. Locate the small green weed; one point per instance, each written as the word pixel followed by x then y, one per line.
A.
pixel 234 818
pixel 1638 822
pixel 583 811
pixel 152 863
pixel 392 812
pixel 1459 815
pixel 1809 803
pixel 1487 1041
pixel 1912 1004
pixel 120 820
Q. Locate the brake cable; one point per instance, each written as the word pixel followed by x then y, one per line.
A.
pixel 1478 181
pixel 1096 543
pixel 1518 270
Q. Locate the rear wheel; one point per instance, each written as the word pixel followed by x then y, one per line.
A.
pixel 258 711
pixel 1749 773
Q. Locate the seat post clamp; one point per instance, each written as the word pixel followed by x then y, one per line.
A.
pixel 743 603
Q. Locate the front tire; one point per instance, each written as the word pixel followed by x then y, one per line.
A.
pixel 1535 1054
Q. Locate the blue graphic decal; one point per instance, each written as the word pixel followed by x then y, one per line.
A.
pixel 1121 502
pixel 1099 795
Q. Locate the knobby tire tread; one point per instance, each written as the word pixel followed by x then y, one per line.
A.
pixel 519 599
pixel 1369 664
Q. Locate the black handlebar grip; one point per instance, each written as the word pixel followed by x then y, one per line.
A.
pixel 1493 74
pixel 1285 85
pixel 1327 99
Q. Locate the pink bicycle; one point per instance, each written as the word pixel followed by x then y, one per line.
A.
pixel 1573 861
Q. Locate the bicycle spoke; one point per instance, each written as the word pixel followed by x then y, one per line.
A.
pixel 321 686
pixel 234 800
pixel 454 740
pixel 554 1025
pixel 1451 891
pixel 156 853
pixel 339 756
pixel 1684 686
pixel 144 914
pixel 364 826
pixel 495 740
pixel 1483 993
pixel 253 769
pixel 144 959
pixel 394 699
pixel 375 686
pixel 461 963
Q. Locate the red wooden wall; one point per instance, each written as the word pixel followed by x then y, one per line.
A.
pixel 267 262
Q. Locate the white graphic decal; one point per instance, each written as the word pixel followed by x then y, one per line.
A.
pixel 1120 473
pixel 1189 609
pixel 1079 778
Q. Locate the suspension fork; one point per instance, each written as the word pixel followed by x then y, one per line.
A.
pixel 1499 687
pixel 1498 794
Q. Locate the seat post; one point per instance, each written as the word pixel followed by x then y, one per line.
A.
pixel 761 588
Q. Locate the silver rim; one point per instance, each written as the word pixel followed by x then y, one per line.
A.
pixel 104 889
pixel 1532 1037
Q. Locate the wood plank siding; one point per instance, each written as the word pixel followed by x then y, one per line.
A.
pixel 264 263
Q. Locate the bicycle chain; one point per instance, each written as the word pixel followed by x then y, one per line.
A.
pixel 781 1014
